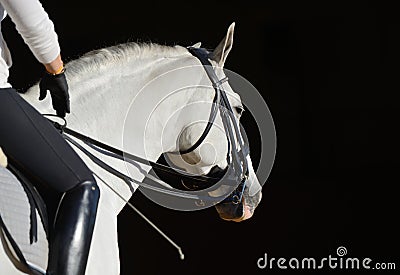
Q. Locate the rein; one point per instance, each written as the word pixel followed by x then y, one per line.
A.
pixel 122 155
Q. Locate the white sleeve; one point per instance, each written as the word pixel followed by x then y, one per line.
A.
pixel 35 27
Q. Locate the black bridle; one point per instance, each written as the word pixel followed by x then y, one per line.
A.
pixel 237 156
pixel 238 148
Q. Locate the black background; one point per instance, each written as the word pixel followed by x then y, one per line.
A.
pixel 329 75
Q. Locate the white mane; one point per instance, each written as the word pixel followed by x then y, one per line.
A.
pixel 105 58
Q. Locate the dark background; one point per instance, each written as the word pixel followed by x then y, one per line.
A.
pixel 329 75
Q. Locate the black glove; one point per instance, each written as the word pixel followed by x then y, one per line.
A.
pixel 58 87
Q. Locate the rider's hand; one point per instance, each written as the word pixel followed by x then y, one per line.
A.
pixel 58 87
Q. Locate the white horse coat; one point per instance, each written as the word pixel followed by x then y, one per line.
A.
pixel 103 85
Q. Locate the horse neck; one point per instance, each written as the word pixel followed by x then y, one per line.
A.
pixel 102 95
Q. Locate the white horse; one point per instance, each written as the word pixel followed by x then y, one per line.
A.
pixel 104 85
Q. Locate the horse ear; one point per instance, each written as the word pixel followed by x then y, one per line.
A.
pixel 197 45
pixel 221 52
pixel 3 159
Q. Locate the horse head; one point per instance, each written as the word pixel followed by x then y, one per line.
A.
pixel 209 157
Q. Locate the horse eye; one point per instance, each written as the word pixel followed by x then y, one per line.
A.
pixel 239 109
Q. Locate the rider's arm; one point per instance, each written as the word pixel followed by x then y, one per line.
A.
pixel 56 66
pixel 37 30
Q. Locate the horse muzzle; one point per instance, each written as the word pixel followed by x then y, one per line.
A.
pixel 234 212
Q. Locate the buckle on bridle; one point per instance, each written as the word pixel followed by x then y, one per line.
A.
pixel 236 199
pixel 217 84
